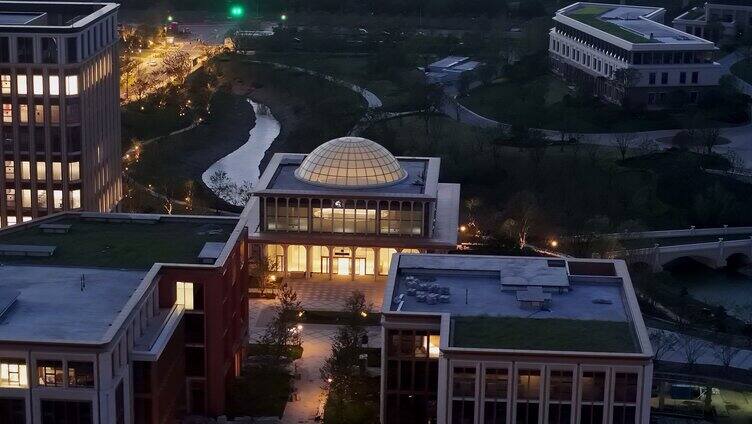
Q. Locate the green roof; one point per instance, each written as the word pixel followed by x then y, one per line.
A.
pixel 121 245
pixel 590 15
pixel 543 334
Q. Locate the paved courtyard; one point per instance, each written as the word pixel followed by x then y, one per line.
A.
pixel 308 397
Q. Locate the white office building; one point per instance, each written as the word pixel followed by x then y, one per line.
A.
pixel 591 43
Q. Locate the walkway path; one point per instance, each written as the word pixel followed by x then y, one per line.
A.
pixel 740 137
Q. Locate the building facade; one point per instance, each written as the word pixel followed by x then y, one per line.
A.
pixel 59 88
pixel 623 53
pixel 718 22
pixel 145 325
pixel 497 340
pixel 343 210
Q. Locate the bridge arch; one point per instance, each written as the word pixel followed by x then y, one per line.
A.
pixel 688 260
pixel 738 260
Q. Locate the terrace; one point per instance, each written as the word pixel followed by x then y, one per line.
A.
pixel 123 245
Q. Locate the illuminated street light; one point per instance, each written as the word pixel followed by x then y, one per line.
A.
pixel 169 18
pixel 463 228
pixel 283 17
pixel 554 243
pixel 237 11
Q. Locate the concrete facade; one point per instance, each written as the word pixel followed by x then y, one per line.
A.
pixel 61 118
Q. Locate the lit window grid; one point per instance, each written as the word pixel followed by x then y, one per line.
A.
pixel 13 373
pixel 544 400
pixel 184 295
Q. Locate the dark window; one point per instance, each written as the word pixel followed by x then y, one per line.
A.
pixel 66 412
pixel 664 78
pixel 682 77
pixel 652 78
pixel 463 412
pixel 25 50
pixel 80 374
pixel 12 411
pixel 194 361
pixel 73 139
pixel 4 49
pixel 194 328
pixel 624 415
pixel 495 413
pixel 695 77
pixel 50 373
pixel 71 49
pixel 119 404
pixel 49 50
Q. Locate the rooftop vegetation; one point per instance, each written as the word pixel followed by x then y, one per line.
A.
pixel 590 15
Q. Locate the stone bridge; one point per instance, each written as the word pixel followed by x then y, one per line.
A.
pixel 715 254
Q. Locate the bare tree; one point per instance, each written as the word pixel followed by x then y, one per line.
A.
pixel 625 79
pixel 222 186
pixel 663 342
pixel 709 137
pixel 725 352
pixel 245 191
pixel 736 162
pixel 692 348
pixel 177 64
pixel 521 214
pixel 623 142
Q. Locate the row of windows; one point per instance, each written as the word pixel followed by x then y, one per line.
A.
pixel 344 216
pixel 74 171
pixel 39 87
pixel 23 143
pixel 50 373
pixel 41 199
pixel 584 58
pixel 13 411
pixel 87 43
pixel 652 78
pixel 592 41
pixel 495 393
pixel 660 98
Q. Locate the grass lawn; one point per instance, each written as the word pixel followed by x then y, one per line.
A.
pixel 743 70
pixel 543 334
pixel 540 103
pixel 589 15
pixel 260 392
pixel 116 245
pixel 154 120
pixel 393 90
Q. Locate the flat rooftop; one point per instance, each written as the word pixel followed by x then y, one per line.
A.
pixel 52 305
pixel 488 295
pixel 124 245
pixel 26 16
pixel 630 23
pixel 284 179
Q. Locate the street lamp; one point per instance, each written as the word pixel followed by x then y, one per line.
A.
pixel 283 17
pixel 237 11
pixel 169 18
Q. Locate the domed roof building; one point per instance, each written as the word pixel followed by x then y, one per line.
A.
pixel 350 162
pixel 345 208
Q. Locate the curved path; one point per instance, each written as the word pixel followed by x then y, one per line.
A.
pixel 740 136
pixel 242 165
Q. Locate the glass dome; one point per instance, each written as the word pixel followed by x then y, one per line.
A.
pixel 350 162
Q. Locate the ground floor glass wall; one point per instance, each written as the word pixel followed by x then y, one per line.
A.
pixel 339 260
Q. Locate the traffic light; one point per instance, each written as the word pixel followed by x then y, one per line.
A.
pixel 237 11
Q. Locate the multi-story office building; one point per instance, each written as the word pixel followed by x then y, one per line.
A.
pixel 119 319
pixel 347 207
pixel 591 43
pixel 496 340
pixel 59 89
pixel 717 21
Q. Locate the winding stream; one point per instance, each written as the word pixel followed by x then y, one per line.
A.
pixel 242 165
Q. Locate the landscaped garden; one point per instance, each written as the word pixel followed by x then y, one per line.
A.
pixel 743 70
pixel 531 96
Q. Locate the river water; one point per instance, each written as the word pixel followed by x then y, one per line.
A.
pixel 242 165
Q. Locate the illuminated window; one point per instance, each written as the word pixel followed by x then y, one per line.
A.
pixel 23 114
pixel 54 85
pixel 25 170
pixel 55 114
pixel 41 171
pixel 9 170
pixel 7 112
pixel 12 221
pixel 13 371
pixel 39 114
pixel 50 373
pixel 57 199
pixel 74 171
pixel 10 197
pixel 71 85
pixel 184 295
pixel 528 396
pixel 5 84
pixel 57 171
pixel 26 198
pixel 21 83
pixel 75 199
pixel 38 85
